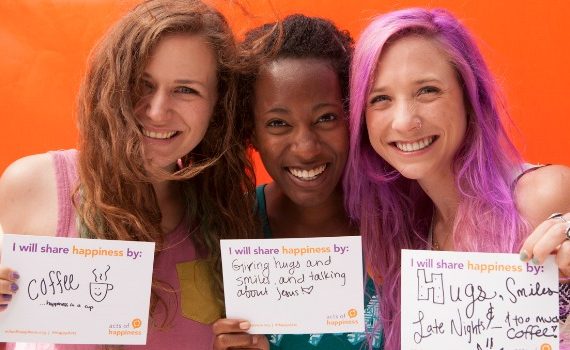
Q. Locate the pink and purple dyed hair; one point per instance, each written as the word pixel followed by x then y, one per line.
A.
pixel 394 213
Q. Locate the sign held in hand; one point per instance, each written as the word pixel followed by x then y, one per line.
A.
pixel 478 301
pixel 293 286
pixel 77 291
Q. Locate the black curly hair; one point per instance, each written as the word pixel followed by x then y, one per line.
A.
pixel 296 36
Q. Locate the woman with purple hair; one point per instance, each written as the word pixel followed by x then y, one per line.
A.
pixel 430 164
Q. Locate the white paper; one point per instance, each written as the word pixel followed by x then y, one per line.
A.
pixel 478 301
pixel 77 291
pixel 295 286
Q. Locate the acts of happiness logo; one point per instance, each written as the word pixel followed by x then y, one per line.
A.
pixel 341 319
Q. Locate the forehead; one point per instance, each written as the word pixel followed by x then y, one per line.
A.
pixel 297 77
pixel 182 51
pixel 414 55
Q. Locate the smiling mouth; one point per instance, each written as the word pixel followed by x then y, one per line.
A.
pixel 416 145
pixel 307 175
pixel 159 135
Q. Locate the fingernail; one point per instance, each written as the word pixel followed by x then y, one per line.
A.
pixel 523 255
pixel 244 325
pixel 15 275
pixel 7 296
pixel 535 261
pixel 13 287
pixel 254 340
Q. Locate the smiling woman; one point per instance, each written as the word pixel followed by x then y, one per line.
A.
pixel 294 92
pixel 177 98
pixel 430 164
pixel 159 138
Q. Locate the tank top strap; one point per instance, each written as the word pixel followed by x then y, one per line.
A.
pixel 65 164
pixel 262 210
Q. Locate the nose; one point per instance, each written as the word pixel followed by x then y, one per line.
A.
pixel 406 117
pixel 158 106
pixel 306 144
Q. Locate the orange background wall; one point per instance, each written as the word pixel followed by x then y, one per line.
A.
pixel 44 45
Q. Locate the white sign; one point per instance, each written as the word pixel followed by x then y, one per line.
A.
pixel 77 291
pixel 295 286
pixel 479 301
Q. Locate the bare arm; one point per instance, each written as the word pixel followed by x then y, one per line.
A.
pixel 538 195
pixel 28 205
pixel 28 196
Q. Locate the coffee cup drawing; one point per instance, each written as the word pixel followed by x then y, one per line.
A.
pixel 99 289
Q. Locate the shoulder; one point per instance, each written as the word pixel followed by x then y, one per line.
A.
pixel 542 192
pixel 28 196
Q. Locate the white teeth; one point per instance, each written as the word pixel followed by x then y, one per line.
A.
pixel 415 146
pixel 158 135
pixel 307 175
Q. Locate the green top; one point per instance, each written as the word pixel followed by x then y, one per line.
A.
pixel 336 341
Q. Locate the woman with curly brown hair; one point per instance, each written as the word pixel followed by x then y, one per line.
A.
pixel 159 140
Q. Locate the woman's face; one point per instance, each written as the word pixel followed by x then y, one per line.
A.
pixel 415 113
pixel 179 94
pixel 300 130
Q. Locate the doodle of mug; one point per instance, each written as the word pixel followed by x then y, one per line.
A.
pixel 99 290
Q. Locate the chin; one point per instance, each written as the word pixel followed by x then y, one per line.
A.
pixel 412 174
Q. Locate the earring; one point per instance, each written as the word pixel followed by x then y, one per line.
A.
pixel 180 162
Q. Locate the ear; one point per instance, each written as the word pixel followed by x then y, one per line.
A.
pixel 253 141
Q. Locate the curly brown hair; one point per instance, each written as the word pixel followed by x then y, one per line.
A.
pixel 115 198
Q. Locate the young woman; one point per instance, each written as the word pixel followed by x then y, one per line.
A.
pixel 158 141
pixel 430 165
pixel 295 96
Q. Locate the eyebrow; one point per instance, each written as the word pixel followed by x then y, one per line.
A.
pixel 416 82
pixel 427 80
pixel 285 110
pixel 327 104
pixel 179 81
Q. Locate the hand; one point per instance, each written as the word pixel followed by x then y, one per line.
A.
pixel 8 286
pixel 232 334
pixel 550 237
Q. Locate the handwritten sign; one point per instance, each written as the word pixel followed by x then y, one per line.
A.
pixel 77 291
pixel 292 286
pixel 478 301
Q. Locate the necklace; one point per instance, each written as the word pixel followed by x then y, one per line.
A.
pixel 433 244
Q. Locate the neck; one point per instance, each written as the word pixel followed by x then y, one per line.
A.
pixel 170 204
pixel 288 220
pixel 445 197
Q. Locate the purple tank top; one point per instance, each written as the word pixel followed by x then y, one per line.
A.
pixel 179 266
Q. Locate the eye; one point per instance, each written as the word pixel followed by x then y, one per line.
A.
pixel 329 117
pixel 428 90
pixel 379 99
pixel 186 90
pixel 276 123
pixel 146 87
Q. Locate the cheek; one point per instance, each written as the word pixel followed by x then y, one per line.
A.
pixel 374 128
pixel 268 150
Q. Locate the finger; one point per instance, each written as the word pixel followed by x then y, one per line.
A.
pixel 262 342
pixel 533 238
pixel 550 241
pixel 7 273
pixel 226 325
pixel 5 299
pixel 8 287
pixel 235 340
pixel 563 258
